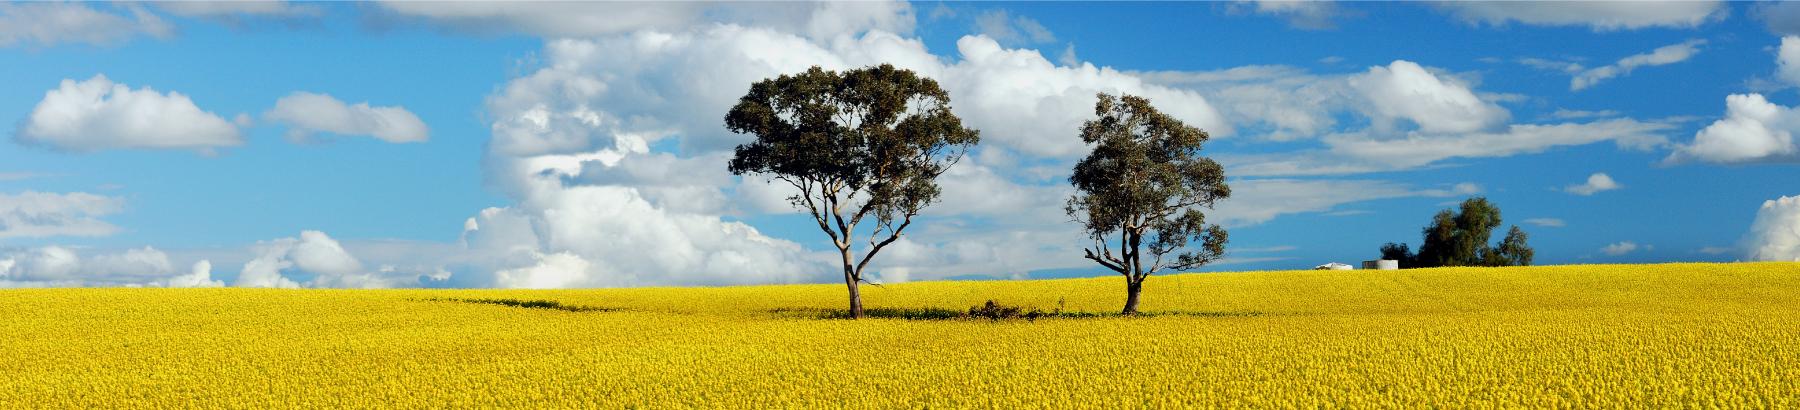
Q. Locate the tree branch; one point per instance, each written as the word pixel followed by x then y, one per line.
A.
pixel 1157 264
pixel 1105 252
pixel 837 214
pixel 1125 253
pixel 895 235
pixel 1103 262
pixel 811 207
pixel 1178 206
pixel 1137 255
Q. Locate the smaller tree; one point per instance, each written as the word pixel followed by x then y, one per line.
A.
pixel 1143 186
pixel 1513 250
pixel 1399 252
pixel 1459 237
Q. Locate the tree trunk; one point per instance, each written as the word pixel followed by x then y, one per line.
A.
pixel 856 307
pixel 1132 289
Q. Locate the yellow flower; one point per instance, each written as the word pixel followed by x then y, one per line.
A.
pixel 1607 336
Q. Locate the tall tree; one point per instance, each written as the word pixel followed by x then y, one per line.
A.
pixel 1474 225
pixel 866 145
pixel 1459 237
pixel 1439 247
pixel 1141 189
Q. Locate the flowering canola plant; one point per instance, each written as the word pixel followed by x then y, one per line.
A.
pixel 1613 336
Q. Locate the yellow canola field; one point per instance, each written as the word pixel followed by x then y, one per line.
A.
pixel 1608 336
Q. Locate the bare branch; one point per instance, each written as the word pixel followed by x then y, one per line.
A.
pixel 1105 251
pixel 1103 260
pixel 884 243
pixel 836 212
pixel 806 193
pixel 1124 254
pixel 1157 264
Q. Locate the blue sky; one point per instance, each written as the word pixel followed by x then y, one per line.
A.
pixel 581 144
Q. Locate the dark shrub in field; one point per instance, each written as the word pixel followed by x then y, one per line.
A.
pixel 995 311
pixel 533 304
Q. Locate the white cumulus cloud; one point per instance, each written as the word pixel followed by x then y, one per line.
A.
pixel 97 114
pixel 1753 130
pixel 1017 97
pixel 1405 90
pixel 606 236
pixel 1417 116
pixel 1029 104
pixel 306 113
pixel 290 262
pixel 1775 234
pixel 1596 183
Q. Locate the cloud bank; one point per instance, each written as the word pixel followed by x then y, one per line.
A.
pixel 60 266
pixel 33 214
pixel 314 259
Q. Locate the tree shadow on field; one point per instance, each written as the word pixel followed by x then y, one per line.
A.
pixel 990 311
pixel 529 304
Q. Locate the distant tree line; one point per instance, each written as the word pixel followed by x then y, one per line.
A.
pixel 1459 237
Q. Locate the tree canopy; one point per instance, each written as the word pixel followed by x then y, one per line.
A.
pixel 865 145
pixel 1145 179
pixel 1459 237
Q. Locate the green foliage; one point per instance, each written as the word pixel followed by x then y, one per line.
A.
pixel 1440 237
pixel 1145 179
pixel 1460 238
pixel 882 132
pixel 1513 250
pixel 1399 252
